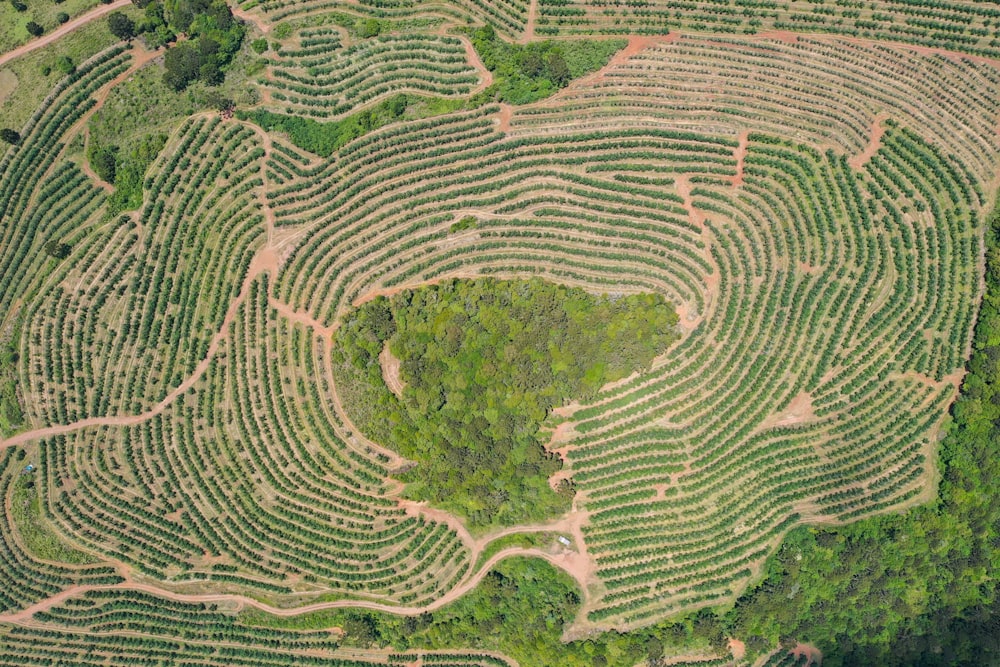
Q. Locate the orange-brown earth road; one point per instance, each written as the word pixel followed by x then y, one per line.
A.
pixel 65 29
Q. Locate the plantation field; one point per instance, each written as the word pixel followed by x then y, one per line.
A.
pixel 189 473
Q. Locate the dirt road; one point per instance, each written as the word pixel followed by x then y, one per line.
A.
pixel 44 40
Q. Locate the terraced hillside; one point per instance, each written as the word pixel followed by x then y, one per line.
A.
pixel 812 205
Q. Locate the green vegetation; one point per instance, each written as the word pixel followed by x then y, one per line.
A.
pixel 130 168
pixel 483 363
pixel 520 609
pixel 919 588
pixel 213 35
pixel 468 222
pixel 326 138
pixel 214 38
pixel 530 72
pixel 39 538
pixel 368 28
pixel 15 15
pixel 30 89
pixel 522 540
pixel 828 300
pixel 132 127
pixel 121 26
pixel 11 414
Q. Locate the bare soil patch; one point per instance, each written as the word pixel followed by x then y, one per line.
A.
pixel 813 654
pixel 506 111
pixel 740 153
pixel 799 410
pixel 529 26
pixel 874 143
pixel 390 371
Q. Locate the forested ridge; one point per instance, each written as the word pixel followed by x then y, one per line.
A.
pixel 913 589
pixel 484 362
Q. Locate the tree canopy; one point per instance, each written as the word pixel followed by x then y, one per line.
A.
pixel 527 72
pixel 121 26
pixel 483 363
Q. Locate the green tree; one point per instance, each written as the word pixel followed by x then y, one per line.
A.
pixel 182 65
pixel 62 17
pixel 34 29
pixel 121 26
pixel 370 28
pixel 10 136
pixel 57 249
pixel 103 160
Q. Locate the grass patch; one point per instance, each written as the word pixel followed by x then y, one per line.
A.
pixel 11 415
pixel 12 22
pixel 32 86
pixel 132 127
pixel 468 222
pixel 30 521
pixel 325 138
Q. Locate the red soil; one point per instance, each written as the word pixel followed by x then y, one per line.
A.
pixel 506 111
pixel 799 410
pixel 529 26
pixel 739 154
pixel 874 142
pixel 100 11
pixel 812 653
pixel 485 76
pixel 390 371
pixel 250 18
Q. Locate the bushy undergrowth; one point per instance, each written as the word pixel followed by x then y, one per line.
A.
pixel 325 138
pixel 525 73
pixel 483 363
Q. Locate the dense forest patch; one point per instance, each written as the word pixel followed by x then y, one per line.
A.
pixel 483 362
pixel 528 72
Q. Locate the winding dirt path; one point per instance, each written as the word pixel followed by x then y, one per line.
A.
pixel 874 143
pixel 485 76
pixel 390 371
pixel 85 165
pixel 529 26
pixel 740 154
pixel 265 261
pixel 506 113
pixel 65 29
pixel 256 20
pixel 241 601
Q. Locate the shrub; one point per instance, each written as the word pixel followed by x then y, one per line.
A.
pixel 121 26
pixel 65 65
pixel 370 28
